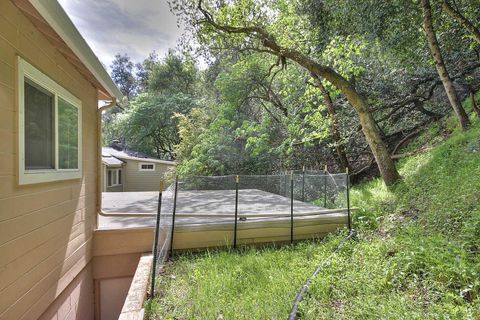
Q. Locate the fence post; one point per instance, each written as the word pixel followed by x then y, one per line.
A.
pixel 173 215
pixel 237 180
pixel 291 207
pixel 348 201
pixel 303 184
pixel 155 241
pixel 325 186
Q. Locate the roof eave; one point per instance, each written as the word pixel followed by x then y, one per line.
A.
pixel 121 157
pixel 172 163
pixel 56 17
pixel 112 165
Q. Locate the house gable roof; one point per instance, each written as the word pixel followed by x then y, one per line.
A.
pixel 112 161
pixel 131 155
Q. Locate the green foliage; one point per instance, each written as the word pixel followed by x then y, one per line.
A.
pixel 416 257
pixel 351 50
pixel 123 75
pixel 431 223
pixel 262 119
pixel 378 46
pixel 144 69
pixel 245 284
pixel 190 129
pixel 175 74
pixel 148 125
pixel 239 136
pixel 229 145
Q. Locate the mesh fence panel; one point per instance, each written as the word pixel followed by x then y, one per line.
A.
pixel 203 200
pixel 320 188
pixel 336 190
pixel 207 200
pixel 207 183
pixel 212 200
pixel 165 226
pixel 323 190
pixel 276 184
pixel 263 196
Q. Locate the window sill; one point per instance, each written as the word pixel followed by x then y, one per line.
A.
pixel 32 177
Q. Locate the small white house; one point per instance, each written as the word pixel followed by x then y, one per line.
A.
pixel 127 170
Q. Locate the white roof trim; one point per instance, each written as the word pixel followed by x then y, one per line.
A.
pixel 108 165
pixel 112 161
pixel 122 155
pixel 145 160
pixel 56 17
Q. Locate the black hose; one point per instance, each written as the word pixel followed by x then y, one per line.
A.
pixel 294 311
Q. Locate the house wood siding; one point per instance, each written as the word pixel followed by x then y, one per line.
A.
pixel 46 229
pixel 105 187
pixel 115 189
pixel 136 180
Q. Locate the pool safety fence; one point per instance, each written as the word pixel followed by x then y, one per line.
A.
pixel 238 201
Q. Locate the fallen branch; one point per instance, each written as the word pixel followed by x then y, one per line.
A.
pixel 408 154
pixel 365 168
pixel 406 139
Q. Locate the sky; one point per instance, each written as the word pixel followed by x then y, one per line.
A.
pixel 134 27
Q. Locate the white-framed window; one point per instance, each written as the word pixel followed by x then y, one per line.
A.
pixel 143 166
pixel 50 128
pixel 114 177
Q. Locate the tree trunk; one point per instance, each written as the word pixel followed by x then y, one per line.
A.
pixel 456 15
pixel 379 149
pixel 440 65
pixel 339 147
pixel 474 104
pixel 377 145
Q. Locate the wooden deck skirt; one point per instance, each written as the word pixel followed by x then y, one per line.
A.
pixel 274 230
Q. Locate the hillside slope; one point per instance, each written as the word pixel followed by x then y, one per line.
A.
pixel 417 255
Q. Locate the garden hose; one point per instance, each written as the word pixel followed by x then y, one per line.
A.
pixel 294 311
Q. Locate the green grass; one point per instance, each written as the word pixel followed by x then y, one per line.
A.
pixel 417 255
pixel 248 284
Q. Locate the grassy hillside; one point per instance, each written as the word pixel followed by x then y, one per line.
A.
pixel 416 256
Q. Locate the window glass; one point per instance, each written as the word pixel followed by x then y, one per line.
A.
pixel 39 127
pixel 67 135
pixel 50 134
pixel 109 178
pixel 119 176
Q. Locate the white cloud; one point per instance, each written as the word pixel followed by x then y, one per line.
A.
pixel 124 26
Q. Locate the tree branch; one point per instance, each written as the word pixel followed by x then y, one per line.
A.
pixel 456 15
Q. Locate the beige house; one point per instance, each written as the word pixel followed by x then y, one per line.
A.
pixel 54 262
pixel 61 257
pixel 127 170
